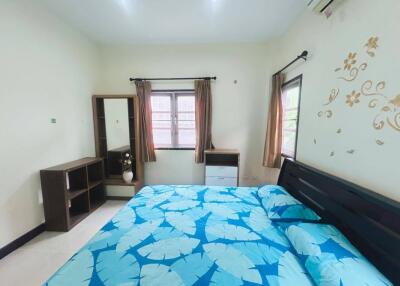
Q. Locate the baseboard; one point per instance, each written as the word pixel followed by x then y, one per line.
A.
pixel 118 198
pixel 6 250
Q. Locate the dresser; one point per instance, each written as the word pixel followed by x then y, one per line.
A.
pixel 222 167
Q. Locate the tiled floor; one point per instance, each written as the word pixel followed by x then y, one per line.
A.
pixel 36 261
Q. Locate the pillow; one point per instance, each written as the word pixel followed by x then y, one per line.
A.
pixel 280 205
pixel 329 258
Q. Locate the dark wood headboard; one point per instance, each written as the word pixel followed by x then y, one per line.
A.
pixel 369 220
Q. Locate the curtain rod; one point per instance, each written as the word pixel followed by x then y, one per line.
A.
pixel 303 56
pixel 174 78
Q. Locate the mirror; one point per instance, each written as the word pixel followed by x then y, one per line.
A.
pixel 117 134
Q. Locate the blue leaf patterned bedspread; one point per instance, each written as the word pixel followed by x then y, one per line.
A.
pixel 186 235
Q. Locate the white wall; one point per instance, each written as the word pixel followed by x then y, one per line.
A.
pixel 329 41
pixel 239 110
pixel 46 71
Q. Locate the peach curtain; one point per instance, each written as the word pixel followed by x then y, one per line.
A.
pixel 273 140
pixel 143 91
pixel 203 117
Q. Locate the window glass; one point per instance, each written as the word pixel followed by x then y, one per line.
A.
pixel 162 120
pixel 173 119
pixel 290 103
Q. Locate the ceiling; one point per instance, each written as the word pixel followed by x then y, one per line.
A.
pixel 178 21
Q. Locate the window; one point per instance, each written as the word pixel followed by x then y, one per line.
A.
pixel 173 119
pixel 290 103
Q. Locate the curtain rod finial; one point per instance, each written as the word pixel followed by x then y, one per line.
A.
pixel 304 55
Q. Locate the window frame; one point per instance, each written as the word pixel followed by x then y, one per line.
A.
pixel 174 127
pixel 298 78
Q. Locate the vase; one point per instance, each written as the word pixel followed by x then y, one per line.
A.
pixel 127 176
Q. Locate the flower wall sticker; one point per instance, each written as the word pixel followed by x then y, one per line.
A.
pixel 327 113
pixel 350 61
pixel 371 46
pixel 353 73
pixel 387 107
pixel 396 101
pixel 332 97
pixel 353 98
pixel 334 94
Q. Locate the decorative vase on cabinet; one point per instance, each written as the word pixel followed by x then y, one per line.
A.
pixel 127 176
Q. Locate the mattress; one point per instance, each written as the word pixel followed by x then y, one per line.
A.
pixel 187 235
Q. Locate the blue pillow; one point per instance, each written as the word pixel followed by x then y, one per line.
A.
pixel 330 258
pixel 280 205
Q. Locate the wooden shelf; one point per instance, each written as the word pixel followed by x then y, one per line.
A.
pixel 75 193
pixel 65 207
pixel 119 182
pixel 95 205
pixel 97 197
pixel 95 184
pixel 77 217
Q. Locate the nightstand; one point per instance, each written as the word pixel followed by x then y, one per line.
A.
pixel 222 167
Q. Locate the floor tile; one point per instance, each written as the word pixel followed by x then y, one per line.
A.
pixel 33 263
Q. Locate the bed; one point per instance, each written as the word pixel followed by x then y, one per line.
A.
pixel 204 235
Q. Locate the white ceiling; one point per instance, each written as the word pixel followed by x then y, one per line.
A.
pixel 178 21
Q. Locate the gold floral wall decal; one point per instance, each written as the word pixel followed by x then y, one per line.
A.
pixel 389 114
pixel 378 123
pixel 353 98
pixel 387 108
pixel 326 113
pixel 366 88
pixel 372 45
pixel 372 103
pixel 353 74
pixel 350 61
pixel 332 97
pixel 394 121
pixel 396 101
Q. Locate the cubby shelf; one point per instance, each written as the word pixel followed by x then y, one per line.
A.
pixel 71 192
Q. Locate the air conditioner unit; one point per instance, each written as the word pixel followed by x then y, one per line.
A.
pixel 319 6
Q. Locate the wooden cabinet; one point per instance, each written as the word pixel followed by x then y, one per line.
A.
pixel 72 191
pixel 222 167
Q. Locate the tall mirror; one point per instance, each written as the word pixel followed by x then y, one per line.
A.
pixel 116 129
pixel 117 132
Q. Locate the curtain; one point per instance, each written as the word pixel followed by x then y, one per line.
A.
pixel 273 140
pixel 143 91
pixel 203 118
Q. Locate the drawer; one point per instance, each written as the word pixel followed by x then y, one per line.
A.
pixel 221 181
pixel 221 171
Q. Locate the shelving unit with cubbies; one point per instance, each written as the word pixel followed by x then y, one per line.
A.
pixel 71 192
